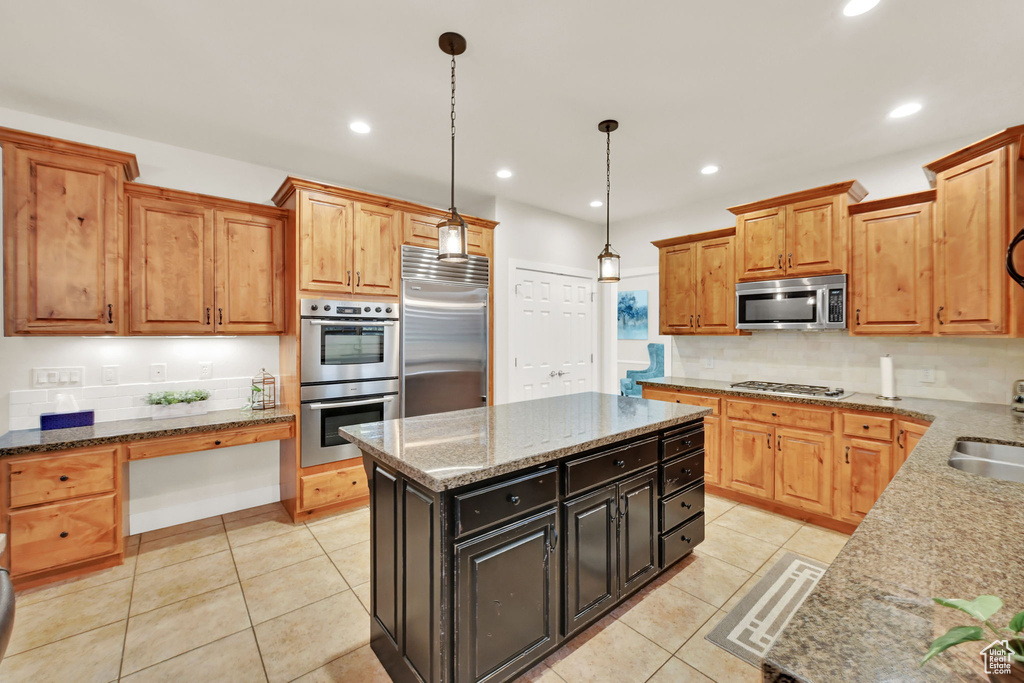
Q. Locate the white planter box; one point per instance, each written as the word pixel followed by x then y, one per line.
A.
pixel 180 410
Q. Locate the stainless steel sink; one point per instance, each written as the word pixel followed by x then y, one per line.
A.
pixel 994 460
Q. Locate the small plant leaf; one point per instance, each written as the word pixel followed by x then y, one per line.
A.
pixel 1017 623
pixel 981 608
pixel 955 636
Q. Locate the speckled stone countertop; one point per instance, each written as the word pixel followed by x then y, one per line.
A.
pixel 119 431
pixel 934 532
pixel 448 450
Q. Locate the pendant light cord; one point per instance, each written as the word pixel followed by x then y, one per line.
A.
pixel 608 192
pixel 453 136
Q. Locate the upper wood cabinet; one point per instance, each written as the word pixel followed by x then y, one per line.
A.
pixel 421 230
pixel 697 287
pixel 795 235
pixel 204 265
pixel 375 250
pixel 63 239
pixel 325 242
pixel 891 274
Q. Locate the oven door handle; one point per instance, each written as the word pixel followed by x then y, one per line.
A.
pixel 345 404
pixel 345 323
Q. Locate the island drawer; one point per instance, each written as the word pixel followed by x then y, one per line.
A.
pixel 679 507
pixel 593 470
pixel 692 439
pixel 780 413
pixel 484 507
pixel 681 472
pixel 681 540
pixel 54 477
pixel 61 533
pixel 871 426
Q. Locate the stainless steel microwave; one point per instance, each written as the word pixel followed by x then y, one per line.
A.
pixel 806 303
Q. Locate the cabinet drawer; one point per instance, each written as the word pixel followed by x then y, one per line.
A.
pixel 779 413
pixel 871 426
pixel 685 442
pixel 681 540
pixel 47 479
pixel 681 472
pixel 62 533
pixel 673 396
pixel 681 506
pixel 204 441
pixel 329 488
pixel 584 473
pixel 482 508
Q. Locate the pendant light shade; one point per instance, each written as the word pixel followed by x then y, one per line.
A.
pixel 608 260
pixel 451 232
pixel 608 265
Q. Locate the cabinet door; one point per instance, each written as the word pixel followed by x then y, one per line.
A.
pixel 171 266
pixel 760 245
pixel 908 434
pixel 325 243
pixel 47 536
pixel 713 449
pixel 591 568
pixel 249 267
pixel 891 275
pixel 803 469
pixel 62 244
pixel 748 458
pixel 716 287
pixel 677 314
pixel 375 248
pixel 970 278
pixel 863 474
pixel 506 590
pixel 638 530
pixel 814 238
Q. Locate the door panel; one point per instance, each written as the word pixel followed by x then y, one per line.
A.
pixel 249 265
pixel 814 238
pixel 907 437
pixel 713 449
pixel 863 474
pixel 325 243
pixel 760 245
pixel 638 530
pixel 716 287
pixel 677 311
pixel 891 275
pixel 803 469
pixel 375 249
pixel 591 568
pixel 748 458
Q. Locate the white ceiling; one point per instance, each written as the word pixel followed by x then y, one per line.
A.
pixel 756 87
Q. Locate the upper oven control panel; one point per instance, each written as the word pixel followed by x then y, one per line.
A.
pixel 328 308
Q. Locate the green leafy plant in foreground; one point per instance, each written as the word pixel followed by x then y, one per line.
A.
pixel 166 398
pixel 981 608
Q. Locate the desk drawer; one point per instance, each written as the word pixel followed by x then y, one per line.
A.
pixel 686 442
pixel 330 488
pixel 681 540
pixel 781 414
pixel 673 396
pixel 681 472
pixel 204 441
pixel 59 476
pixel 681 506
pixel 593 470
pixel 870 426
pixel 482 508
pixel 54 535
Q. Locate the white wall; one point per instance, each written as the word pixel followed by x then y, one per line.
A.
pixel 632 354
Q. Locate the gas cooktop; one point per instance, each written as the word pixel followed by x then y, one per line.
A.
pixel 806 390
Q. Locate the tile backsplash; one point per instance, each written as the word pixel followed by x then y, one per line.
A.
pixel 123 401
pixel 980 370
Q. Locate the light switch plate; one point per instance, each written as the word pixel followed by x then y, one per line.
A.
pixel 57 377
pixel 109 374
pixel 707 363
pixel 206 369
pixel 158 372
pixel 928 375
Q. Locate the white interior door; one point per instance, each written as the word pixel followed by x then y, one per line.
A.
pixel 552 334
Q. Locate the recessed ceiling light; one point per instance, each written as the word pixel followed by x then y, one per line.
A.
pixel 504 173
pixel 361 127
pixel 905 110
pixel 857 7
pixel 596 203
pixel 709 169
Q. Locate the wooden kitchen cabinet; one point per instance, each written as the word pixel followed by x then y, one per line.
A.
pixel 325 242
pixel 713 449
pixel 891 273
pixel 375 250
pixel 716 287
pixel 697 288
pixel 815 238
pixel 863 471
pixel 748 458
pixel 677 302
pixel 761 244
pixel 803 469
pixel 249 269
pixel 63 240
pixel 420 230
pixel 908 434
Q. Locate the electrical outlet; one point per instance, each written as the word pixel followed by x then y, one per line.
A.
pixel 707 363
pixel 928 375
pixel 109 374
pixel 158 372
pixel 205 369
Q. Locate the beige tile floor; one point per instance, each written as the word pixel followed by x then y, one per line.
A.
pixel 250 596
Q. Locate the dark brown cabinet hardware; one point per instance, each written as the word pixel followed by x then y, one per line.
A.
pixel 220 316
pixel 686 505
pixel 620 463
pixel 349 283
pixel 686 539
pixel 691 320
pixel 63 477
pixel 359 279
pixel 847 455
pixel 698 320
pixel 780 261
pixel 217 442
pixel 938 315
pixel 775 414
pixel 899 439
pixel 63 534
pixel 769 436
pixel 866 426
pixel 110 313
pixel 858 316
pixel 513 499
pixel 778 444
pixel 687 471
pixel 207 315
pixel 791 259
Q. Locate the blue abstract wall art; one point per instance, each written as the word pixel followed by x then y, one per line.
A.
pixel 633 314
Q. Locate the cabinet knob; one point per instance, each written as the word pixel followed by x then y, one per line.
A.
pixel 63 534
pixel 687 505
pixel 686 539
pixel 63 477
pixel 217 442
pixel 686 443
pixel 686 471
pixel 775 414
pixel 866 427
pixel 514 500
pixel 620 463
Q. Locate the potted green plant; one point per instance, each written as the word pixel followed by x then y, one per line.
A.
pixel 1004 656
pixel 178 403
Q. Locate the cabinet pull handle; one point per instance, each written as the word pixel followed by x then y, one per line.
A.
pixel 685 538
pixel 686 505
pixel 698 320
pixel 790 259
pixel 769 436
pixel 624 510
pixel 359 279
pixel 899 439
pixel 858 316
pixel 207 315
pixel 938 315
pixel 63 534
pixel 778 445
pixel 514 500
pixel 63 477
pixel 110 313
pixel 780 261
pixel 847 455
pixel 691 320
pixel 554 532
pixel 620 463
pixel 349 283
pixel 220 316
pixel 686 471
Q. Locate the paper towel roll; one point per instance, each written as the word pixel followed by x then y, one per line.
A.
pixel 888 379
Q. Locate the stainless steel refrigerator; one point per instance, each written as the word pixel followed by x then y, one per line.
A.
pixel 444 332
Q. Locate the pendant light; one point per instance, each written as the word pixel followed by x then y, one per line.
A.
pixel 451 232
pixel 608 260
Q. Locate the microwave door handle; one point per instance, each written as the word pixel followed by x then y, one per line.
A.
pixel 346 404
pixel 1010 268
pixel 345 323
pixel 822 307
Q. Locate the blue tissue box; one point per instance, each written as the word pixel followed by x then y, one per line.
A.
pixel 83 418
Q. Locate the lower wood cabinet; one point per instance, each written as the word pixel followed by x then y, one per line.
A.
pixel 50 536
pixel 803 469
pixel 908 434
pixel 58 476
pixel 863 471
pixel 713 449
pixel 333 487
pixel 748 463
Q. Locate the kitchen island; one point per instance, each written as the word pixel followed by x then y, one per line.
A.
pixel 499 533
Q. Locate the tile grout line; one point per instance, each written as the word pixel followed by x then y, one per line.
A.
pixel 248 614
pixel 128 613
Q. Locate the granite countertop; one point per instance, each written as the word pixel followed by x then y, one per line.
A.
pixel 934 532
pixel 448 450
pixel 118 431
